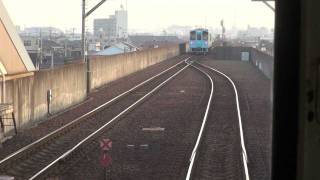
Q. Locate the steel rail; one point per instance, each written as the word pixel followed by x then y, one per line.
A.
pixel 72 123
pixel 204 121
pixel 128 109
pixel 243 147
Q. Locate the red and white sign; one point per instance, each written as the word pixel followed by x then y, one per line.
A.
pixel 106 160
pixel 106 144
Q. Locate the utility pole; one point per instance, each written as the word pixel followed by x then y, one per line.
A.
pixel 65 49
pixel 50 33
pixel 52 59
pixel 83 38
pixel 41 50
pixel 83 46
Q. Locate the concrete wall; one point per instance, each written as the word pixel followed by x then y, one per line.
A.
pixel 262 61
pixel 228 53
pixel 184 48
pixel 29 94
pixel 69 83
pixel 106 69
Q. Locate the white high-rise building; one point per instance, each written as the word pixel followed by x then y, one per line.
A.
pixel 122 23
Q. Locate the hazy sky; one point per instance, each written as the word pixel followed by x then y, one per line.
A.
pixel 143 14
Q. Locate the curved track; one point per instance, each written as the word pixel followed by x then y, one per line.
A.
pixel 217 152
pixel 43 153
pixel 142 154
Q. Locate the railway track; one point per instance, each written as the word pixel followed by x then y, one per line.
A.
pixel 217 153
pixel 161 154
pixel 61 151
pixel 34 160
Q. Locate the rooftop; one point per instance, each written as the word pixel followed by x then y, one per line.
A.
pixel 13 54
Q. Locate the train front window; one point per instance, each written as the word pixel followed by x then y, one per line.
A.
pixel 205 36
pixel 193 35
pixel 199 36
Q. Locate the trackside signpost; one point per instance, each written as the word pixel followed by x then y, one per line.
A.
pixel 105 144
pixel 106 160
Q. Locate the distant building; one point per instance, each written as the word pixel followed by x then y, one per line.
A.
pixel 149 41
pixel 49 32
pixel 71 35
pixel 118 48
pixel 42 51
pixel 255 34
pixel 114 27
pixel 32 45
pixel 121 23
pixel 180 31
pixel 94 47
pixel 105 28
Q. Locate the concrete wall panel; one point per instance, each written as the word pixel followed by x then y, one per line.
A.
pixel 229 53
pixel 262 61
pixel 68 83
pixel 106 69
pixel 29 94
pixel 68 86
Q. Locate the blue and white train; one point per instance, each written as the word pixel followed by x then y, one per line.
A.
pixel 200 41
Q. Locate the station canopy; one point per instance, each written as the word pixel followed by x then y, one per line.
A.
pixel 14 57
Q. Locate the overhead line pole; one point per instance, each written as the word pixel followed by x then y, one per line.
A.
pixel 95 7
pixel 83 37
pixel 83 30
pixel 266 3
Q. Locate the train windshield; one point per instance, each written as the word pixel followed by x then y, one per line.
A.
pixel 205 36
pixel 198 36
pixel 193 35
